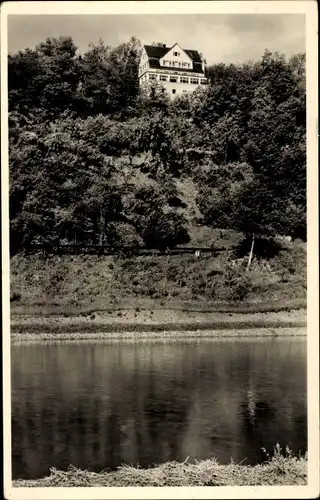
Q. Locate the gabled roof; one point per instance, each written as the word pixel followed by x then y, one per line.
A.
pixel 156 52
pixel 194 55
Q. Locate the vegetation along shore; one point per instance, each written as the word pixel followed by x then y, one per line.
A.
pixel 152 323
pixel 157 297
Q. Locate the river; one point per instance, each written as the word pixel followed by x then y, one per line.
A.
pixel 96 405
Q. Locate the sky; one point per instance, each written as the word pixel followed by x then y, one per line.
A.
pixel 228 38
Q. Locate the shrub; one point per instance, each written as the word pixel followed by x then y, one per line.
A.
pixel 266 248
pixel 15 297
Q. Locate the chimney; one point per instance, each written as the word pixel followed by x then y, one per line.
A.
pixel 164 45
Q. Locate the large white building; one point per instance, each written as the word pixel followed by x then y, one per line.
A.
pixel 178 70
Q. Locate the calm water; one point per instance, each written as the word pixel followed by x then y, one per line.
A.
pixel 100 405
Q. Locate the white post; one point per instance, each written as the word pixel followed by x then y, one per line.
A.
pixel 251 253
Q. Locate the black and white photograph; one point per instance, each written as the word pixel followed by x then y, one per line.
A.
pixel 158 159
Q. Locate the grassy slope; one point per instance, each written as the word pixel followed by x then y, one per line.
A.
pixel 84 284
pixel 86 296
pixel 99 282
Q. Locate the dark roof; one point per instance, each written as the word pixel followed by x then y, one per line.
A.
pixel 193 54
pixel 155 64
pixel 156 52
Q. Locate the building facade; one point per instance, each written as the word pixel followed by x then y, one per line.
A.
pixel 178 70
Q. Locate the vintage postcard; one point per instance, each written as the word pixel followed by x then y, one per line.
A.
pixel 160 249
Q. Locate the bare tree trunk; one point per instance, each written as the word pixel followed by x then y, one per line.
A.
pixel 251 253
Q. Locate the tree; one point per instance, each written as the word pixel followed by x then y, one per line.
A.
pixel 152 98
pixel 154 212
pixel 257 115
pixel 90 151
pixel 46 77
pixel 234 197
pixel 66 192
pixel 109 77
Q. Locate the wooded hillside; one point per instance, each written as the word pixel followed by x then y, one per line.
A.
pixel 93 159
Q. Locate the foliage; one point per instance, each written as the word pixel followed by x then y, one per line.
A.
pixel 92 154
pixel 258 117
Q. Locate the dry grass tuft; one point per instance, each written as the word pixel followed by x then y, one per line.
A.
pixel 279 470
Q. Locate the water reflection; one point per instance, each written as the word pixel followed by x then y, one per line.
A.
pixel 99 405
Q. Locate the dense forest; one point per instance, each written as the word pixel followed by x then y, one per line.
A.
pixel 94 159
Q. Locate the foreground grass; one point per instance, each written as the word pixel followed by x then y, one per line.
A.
pixel 279 470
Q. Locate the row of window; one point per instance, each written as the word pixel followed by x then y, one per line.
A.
pixel 175 79
pixel 176 64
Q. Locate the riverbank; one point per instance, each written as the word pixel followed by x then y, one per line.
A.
pixel 280 470
pixel 179 296
pixel 160 335
pixel 157 324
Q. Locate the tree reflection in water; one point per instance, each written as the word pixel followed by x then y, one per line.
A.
pixel 99 406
